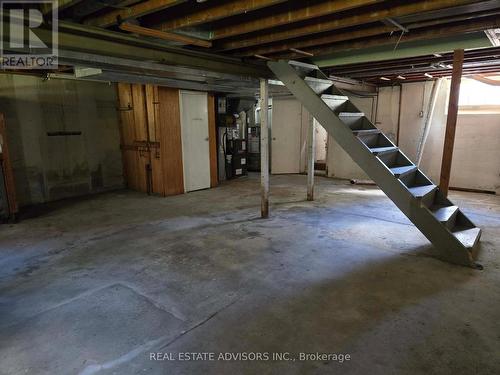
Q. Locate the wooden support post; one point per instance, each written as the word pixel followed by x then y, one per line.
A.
pixel 451 122
pixel 8 174
pixel 311 156
pixel 264 148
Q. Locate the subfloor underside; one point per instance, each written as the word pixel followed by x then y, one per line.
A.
pixel 95 285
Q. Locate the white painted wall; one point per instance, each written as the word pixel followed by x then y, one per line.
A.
pixel 338 163
pixel 321 141
pixel 476 158
pixel 476 155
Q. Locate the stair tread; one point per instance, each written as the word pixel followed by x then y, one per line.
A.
pixel 378 150
pixel 398 171
pixel 353 114
pixel 366 131
pixel 468 237
pixel 415 186
pixel 421 191
pixel 319 80
pixel 334 97
pixel 303 66
pixel 444 213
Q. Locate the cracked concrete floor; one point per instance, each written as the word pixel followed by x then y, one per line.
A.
pixel 93 286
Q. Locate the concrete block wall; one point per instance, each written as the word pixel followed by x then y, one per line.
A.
pixel 48 168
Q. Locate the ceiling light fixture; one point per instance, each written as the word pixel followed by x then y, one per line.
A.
pixel 400 77
pixel 385 79
pixel 437 55
pixel 427 75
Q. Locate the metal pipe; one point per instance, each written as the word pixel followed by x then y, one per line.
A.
pixel 428 120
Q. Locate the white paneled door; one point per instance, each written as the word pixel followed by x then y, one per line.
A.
pixel 286 136
pixel 195 145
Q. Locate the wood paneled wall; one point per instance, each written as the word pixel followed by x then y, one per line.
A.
pixel 151 138
pixel 169 121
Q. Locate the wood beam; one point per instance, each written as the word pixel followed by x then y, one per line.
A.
pixel 436 32
pixel 264 148
pixel 470 55
pixel 138 10
pixel 342 22
pixel 288 16
pixel 216 12
pixel 312 42
pixel 483 79
pixel 165 35
pixel 451 121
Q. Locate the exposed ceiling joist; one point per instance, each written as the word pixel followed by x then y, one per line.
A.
pixel 137 10
pixel 216 12
pixel 308 11
pixel 342 22
pixel 437 32
pixel 183 39
pixel 356 33
pixel 61 5
pixel 315 41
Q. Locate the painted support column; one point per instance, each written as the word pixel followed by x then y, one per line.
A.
pixel 264 148
pixel 311 156
pixel 451 121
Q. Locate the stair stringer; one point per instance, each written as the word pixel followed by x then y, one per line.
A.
pixel 448 246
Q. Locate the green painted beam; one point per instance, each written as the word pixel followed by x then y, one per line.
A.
pixel 410 49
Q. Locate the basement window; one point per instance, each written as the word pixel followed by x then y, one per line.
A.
pixel 477 97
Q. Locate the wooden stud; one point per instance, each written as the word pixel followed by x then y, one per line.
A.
pixel 451 121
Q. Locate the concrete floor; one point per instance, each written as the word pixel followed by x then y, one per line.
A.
pixel 94 286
